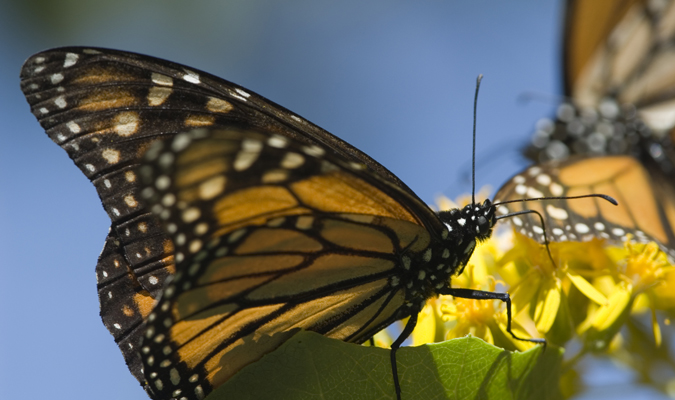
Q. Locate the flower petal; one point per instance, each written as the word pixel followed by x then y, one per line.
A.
pixel 587 289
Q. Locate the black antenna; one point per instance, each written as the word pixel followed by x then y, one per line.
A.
pixel 602 196
pixel 473 155
pixel 541 218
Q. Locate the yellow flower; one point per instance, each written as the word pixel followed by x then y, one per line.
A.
pixel 584 289
pixel 458 317
pixel 648 271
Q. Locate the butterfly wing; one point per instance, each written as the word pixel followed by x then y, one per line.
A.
pixel 646 204
pixel 619 85
pixel 272 236
pixel 106 108
pixel 621 48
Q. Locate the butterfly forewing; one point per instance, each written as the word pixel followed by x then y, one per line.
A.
pixel 620 48
pixel 271 236
pixel 618 84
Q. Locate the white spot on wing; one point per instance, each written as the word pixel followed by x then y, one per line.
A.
pixel 243 93
pixel 218 105
pixel 277 141
pixel 126 123
pixel 157 95
pixel 191 77
pixel 543 179
pixel 56 78
pixel 191 215
pixel 534 193
pixel 581 228
pixel 112 156
pixel 73 127
pixel 557 213
pixel 130 201
pixel 556 189
pixel 534 171
pixel 180 142
pixel 160 79
pixel 163 182
pixel 618 232
pixel 313 150
pixel 211 187
pixel 71 59
pixel 60 102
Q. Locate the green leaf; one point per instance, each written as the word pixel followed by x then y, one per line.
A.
pixel 311 366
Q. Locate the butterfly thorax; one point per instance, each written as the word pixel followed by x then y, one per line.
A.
pixel 471 224
pixel 609 129
pixel 429 271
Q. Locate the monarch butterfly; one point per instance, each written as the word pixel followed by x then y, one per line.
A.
pixel 619 85
pixel 267 222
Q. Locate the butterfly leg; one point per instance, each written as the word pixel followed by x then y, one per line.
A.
pixel 543 227
pixel 409 327
pixel 484 295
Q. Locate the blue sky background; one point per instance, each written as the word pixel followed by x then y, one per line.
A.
pixel 394 78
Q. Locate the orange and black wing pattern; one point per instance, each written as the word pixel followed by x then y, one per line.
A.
pixel 619 85
pixel 273 235
pixel 243 222
pixel 106 108
pixel 646 208
pixel 279 236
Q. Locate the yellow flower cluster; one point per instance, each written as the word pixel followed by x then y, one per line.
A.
pixel 587 292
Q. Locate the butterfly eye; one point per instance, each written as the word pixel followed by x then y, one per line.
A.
pixel 483 225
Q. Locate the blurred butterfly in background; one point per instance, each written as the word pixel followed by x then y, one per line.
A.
pixel 619 86
pixel 267 223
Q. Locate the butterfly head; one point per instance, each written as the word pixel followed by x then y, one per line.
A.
pixel 467 226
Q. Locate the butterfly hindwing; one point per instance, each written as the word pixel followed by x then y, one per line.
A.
pixel 275 236
pixel 646 205
pixel 124 302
